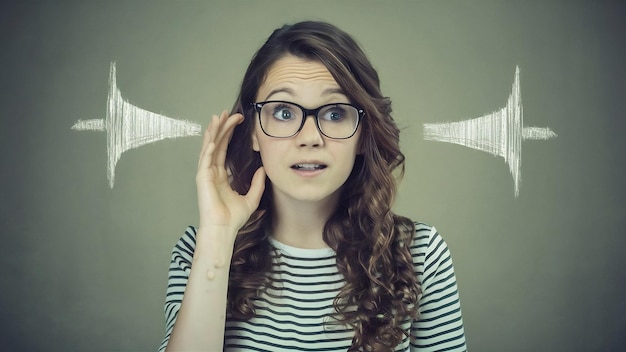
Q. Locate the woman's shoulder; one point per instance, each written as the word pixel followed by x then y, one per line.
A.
pixel 427 243
pixel 424 234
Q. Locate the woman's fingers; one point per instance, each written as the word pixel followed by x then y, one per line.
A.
pixel 218 203
pixel 224 136
pixel 219 133
pixel 203 163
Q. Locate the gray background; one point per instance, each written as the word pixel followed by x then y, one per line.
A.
pixel 84 267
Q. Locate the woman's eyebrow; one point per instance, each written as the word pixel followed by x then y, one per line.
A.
pixel 280 90
pixel 336 90
pixel 327 91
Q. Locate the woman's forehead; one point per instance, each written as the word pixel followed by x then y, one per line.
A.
pixel 290 72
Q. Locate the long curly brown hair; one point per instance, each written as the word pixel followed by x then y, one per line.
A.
pixel 370 241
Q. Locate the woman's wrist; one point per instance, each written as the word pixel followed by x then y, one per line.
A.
pixel 215 242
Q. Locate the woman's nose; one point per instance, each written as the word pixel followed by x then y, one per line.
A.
pixel 309 135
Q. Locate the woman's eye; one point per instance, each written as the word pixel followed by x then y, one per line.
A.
pixel 283 114
pixel 334 115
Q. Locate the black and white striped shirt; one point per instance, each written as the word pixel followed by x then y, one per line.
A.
pixel 295 313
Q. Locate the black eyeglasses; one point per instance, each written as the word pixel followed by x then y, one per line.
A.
pixel 284 119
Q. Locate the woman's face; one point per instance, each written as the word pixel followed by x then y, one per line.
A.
pixel 308 166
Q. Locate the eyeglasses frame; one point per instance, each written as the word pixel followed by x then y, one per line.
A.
pixel 306 113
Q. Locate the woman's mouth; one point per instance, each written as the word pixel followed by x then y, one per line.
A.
pixel 308 167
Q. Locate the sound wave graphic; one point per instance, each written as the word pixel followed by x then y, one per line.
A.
pixel 128 126
pixel 499 133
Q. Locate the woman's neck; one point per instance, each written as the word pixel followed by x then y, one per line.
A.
pixel 301 224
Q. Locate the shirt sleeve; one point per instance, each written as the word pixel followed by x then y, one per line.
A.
pixel 178 274
pixel 440 323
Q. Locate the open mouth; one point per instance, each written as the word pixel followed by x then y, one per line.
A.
pixel 308 167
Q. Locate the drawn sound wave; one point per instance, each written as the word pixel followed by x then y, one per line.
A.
pixel 128 126
pixel 499 133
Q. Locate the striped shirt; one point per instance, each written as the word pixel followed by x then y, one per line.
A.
pixel 295 312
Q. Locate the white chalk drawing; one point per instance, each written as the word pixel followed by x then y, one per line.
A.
pixel 499 133
pixel 128 126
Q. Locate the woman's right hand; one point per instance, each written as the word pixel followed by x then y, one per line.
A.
pixel 219 205
pixel 200 321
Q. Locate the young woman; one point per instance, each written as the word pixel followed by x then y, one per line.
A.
pixel 297 248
